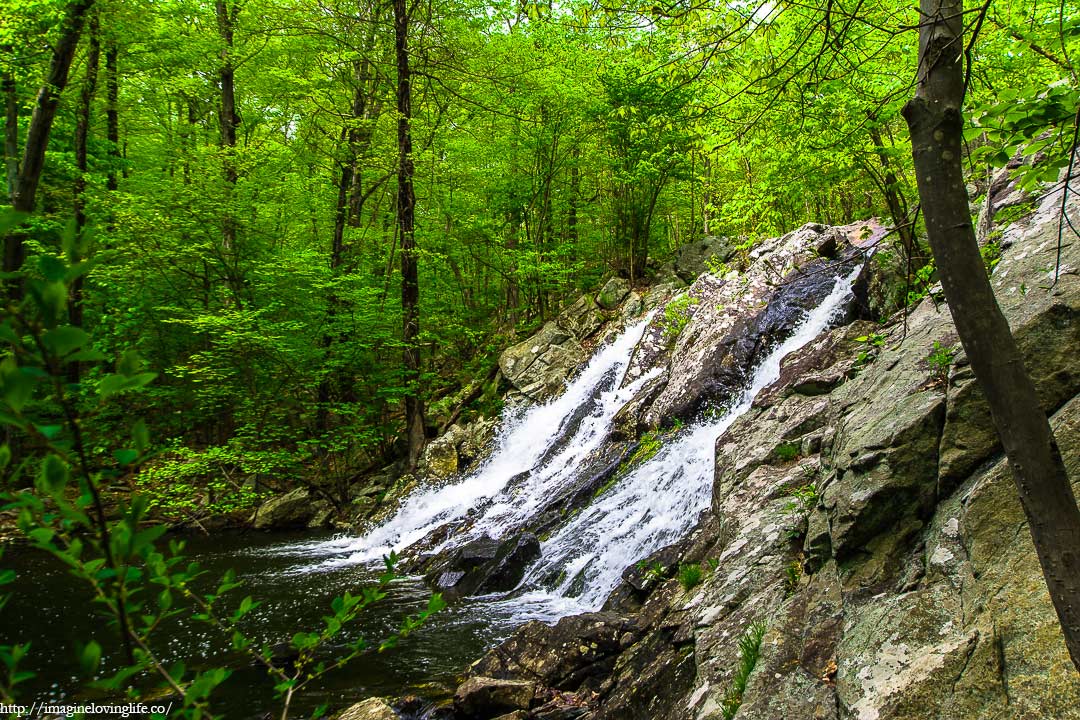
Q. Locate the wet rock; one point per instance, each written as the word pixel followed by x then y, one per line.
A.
pixel 736 323
pixel 486 565
pixel 294 509
pixel 485 697
pixel 563 656
pixel 370 709
pixel 613 293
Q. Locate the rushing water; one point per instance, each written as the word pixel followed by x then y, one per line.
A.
pixel 539 451
pixel 654 505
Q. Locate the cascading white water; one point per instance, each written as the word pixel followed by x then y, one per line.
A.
pixel 582 561
pixel 654 506
pixel 525 439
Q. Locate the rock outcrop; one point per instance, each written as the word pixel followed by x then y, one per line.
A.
pixel 866 556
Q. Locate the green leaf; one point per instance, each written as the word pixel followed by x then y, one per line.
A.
pixel 116 383
pixel 126 456
pixel 18 386
pixel 129 363
pixel 53 475
pixel 90 657
pixel 64 339
pixel 11 219
pixel 53 269
pixel 140 435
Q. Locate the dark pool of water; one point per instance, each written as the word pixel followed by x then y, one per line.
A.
pixel 51 610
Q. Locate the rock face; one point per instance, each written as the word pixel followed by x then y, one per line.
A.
pixel 863 520
pixel 721 326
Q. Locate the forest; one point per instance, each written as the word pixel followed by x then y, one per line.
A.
pixel 255 245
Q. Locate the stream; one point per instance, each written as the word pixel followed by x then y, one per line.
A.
pixel 539 451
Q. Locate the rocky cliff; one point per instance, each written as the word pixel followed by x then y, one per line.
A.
pixel 865 555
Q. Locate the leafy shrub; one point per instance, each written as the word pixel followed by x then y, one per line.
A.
pixel 677 316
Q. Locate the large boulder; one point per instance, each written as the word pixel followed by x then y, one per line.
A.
pixel 483 697
pixel 540 366
pixel 694 258
pixel 370 709
pixel 583 318
pixel 294 509
pixel 563 656
pixel 440 457
pixel 613 293
pixel 486 565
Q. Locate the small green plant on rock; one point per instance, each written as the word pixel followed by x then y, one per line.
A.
pixel 786 452
pixel 677 316
pixel 991 255
pixel 940 360
pixel 871 346
pixel 690 575
pixel 792 576
pixel 749 653
pixel 803 499
pixel 717 267
pixel 651 570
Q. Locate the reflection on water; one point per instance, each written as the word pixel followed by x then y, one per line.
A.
pixel 51 610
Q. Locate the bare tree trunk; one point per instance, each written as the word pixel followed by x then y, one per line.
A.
pixel 112 112
pixel 37 136
pixel 82 132
pixel 229 121
pixel 406 203
pixel 895 201
pixel 936 123
pixel 82 123
pixel 11 129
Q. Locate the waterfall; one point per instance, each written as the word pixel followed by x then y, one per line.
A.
pixel 656 504
pixel 540 450
pixel 537 452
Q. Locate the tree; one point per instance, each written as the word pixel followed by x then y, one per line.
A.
pixel 37 137
pixel 935 120
pixel 406 207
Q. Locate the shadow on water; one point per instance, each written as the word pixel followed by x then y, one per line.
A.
pixel 51 610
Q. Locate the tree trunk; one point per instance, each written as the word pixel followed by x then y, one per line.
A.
pixel 112 113
pixel 406 203
pixel 82 123
pixel 11 129
pixel 82 132
pixel 37 136
pixel 229 120
pixel 895 201
pixel 935 121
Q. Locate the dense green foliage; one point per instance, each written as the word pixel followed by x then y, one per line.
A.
pixel 136 580
pixel 552 146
